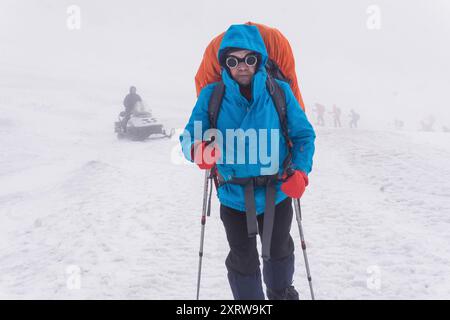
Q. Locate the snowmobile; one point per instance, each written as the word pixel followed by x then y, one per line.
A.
pixel 140 125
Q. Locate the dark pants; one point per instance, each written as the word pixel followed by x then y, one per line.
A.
pixel 126 117
pixel 243 263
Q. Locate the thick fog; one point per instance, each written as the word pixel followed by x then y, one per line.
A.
pixel 86 213
pixel 399 69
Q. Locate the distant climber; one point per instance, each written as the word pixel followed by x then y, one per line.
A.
pixel 320 110
pixel 399 124
pixel 336 113
pixel 354 118
pixel 428 123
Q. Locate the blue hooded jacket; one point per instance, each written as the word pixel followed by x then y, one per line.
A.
pixel 256 118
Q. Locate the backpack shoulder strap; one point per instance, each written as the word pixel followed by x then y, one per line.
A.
pixel 215 101
pixel 214 104
pixel 279 100
pixel 274 70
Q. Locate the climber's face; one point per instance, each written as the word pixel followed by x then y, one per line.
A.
pixel 242 65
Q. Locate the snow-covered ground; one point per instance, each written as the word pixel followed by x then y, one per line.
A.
pixel 127 214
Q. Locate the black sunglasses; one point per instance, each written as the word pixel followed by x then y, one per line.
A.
pixel 250 60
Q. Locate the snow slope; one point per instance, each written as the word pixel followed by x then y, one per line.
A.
pixel 376 214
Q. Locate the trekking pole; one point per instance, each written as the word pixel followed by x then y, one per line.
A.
pixel 206 211
pixel 298 214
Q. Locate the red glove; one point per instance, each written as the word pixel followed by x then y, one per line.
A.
pixel 295 185
pixel 205 155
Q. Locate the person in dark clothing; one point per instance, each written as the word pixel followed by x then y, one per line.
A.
pixel 129 103
pixel 354 118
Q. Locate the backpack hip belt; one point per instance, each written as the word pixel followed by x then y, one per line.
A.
pixel 249 184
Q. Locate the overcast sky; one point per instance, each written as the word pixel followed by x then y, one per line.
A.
pixel 401 68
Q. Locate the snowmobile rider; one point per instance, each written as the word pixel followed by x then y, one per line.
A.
pixel 248 105
pixel 129 103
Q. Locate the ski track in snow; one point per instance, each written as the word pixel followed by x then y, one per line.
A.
pixel 129 218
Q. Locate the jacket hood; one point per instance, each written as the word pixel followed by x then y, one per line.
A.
pixel 242 36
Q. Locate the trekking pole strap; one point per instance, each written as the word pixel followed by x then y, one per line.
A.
pixel 211 177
